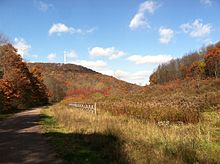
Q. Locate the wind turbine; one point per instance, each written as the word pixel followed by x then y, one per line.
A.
pixel 68 54
pixel 64 57
pixel 22 56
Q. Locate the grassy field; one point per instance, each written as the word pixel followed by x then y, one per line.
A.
pixel 175 101
pixel 81 137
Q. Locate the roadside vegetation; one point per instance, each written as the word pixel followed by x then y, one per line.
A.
pixel 82 137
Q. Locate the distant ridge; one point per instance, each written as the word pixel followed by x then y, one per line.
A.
pixel 66 80
pixel 63 67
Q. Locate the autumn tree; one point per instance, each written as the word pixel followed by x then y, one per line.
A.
pixel 212 60
pixel 199 65
pixel 26 88
pixel 6 94
pixel 153 78
pixel 197 70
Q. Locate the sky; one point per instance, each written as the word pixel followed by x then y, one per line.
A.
pixel 126 39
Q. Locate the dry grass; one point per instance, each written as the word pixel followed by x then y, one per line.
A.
pixel 147 142
pixel 174 102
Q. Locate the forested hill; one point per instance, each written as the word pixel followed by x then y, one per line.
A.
pixel 198 65
pixel 67 80
pixel 64 68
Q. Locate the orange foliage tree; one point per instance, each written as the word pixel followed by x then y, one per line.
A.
pixel 19 87
pixel 197 70
pixel 203 64
pixel 212 60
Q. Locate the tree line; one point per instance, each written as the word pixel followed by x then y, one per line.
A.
pixel 198 65
pixel 19 86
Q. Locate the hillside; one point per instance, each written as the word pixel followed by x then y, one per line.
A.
pixel 180 90
pixel 67 80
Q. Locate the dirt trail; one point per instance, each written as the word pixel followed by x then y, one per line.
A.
pixel 21 140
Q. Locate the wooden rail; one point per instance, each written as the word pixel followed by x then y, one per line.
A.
pixel 85 106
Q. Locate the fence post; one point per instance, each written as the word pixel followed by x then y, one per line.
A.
pixel 90 107
pixel 95 108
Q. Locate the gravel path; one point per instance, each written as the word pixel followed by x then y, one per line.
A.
pixel 21 140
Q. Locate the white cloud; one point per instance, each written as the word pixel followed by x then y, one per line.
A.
pixel 139 19
pixel 149 59
pixel 148 6
pixel 22 46
pixel 120 74
pixel 196 28
pixel 42 6
pixel 111 52
pixel 23 49
pixel 95 65
pixel 106 71
pixel 62 28
pixel 206 2
pixel 138 77
pixel 51 56
pixel 166 35
pixel 186 27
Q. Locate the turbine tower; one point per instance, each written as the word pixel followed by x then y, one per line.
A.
pixel 64 57
pixel 22 56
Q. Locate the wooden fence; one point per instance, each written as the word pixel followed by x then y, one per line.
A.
pixel 85 106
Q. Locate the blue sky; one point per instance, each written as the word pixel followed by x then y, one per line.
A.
pixel 123 38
